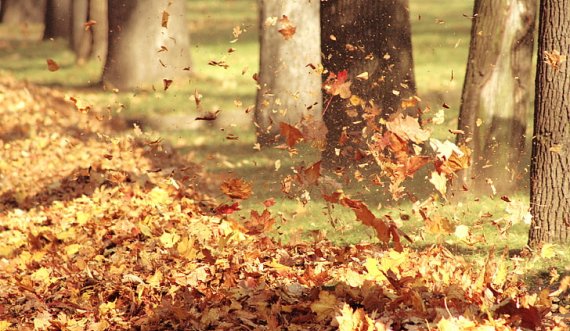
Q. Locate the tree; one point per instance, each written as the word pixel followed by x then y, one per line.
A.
pixel 148 41
pixel 370 38
pixel 57 19
pixel 22 11
pixel 89 29
pixel 290 87
pixel 550 163
pixel 496 93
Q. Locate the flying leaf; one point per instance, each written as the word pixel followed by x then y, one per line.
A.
pixel 291 134
pixel 259 223
pixel 287 29
pixel 167 83
pixel 164 20
pixel 439 181
pixel 408 128
pixel 236 188
pixel 52 65
pixel 87 25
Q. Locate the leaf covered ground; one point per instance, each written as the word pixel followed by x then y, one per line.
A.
pixel 103 227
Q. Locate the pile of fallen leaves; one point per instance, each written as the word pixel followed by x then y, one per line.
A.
pixel 101 230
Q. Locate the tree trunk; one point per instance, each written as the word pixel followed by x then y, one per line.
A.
pixel 290 87
pixel 142 51
pixel 57 19
pixel 364 36
pixel 15 12
pixel 550 165
pixel 496 94
pixel 100 31
pixel 81 39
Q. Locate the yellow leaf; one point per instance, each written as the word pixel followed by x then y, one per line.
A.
pixel 106 307
pixel 42 321
pixel 42 275
pixel 72 249
pixel 277 266
pixel 168 240
pixel 4 325
pixel 82 217
pixel 159 196
pixel 439 181
pixel 547 251
pixel 462 232
pixel 155 279
pixel 325 306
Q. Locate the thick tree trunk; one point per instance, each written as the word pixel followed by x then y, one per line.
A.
pixel 142 51
pixel 15 12
pixel 550 165
pixel 364 36
pixel 57 19
pixel 496 94
pixel 290 87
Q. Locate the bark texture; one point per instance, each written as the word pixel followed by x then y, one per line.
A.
pixel 497 93
pixel 142 51
pixel 15 12
pixel 550 165
pixel 57 19
pixel 364 36
pixel 290 87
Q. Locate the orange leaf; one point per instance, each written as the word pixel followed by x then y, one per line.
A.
pixel 291 134
pixel 236 188
pixel 87 25
pixel 164 21
pixel 287 28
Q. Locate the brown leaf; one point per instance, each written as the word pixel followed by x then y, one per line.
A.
pixel 291 134
pixel 236 188
pixel 310 176
pixel 258 224
pixel 165 17
pixel 408 128
pixel 52 65
pixel 167 83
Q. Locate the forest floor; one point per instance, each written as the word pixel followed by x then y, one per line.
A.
pixel 105 227
pixel 111 212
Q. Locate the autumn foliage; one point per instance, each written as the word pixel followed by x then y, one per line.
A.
pixel 104 227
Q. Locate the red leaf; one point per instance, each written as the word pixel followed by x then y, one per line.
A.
pixel 227 209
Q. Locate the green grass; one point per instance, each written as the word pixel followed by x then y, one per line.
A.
pixel 440 42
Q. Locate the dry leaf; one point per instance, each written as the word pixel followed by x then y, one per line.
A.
pixel 287 29
pixel 52 65
pixel 236 188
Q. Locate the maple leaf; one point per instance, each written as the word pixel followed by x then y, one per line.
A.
pixel 310 175
pixel 287 29
pixel 236 188
pixel 291 134
pixel 259 223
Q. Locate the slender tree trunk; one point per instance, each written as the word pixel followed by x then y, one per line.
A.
pixel 15 12
pixel 81 39
pixel 142 51
pixel 100 31
pixel 290 87
pixel 496 94
pixel 371 37
pixel 550 165
pixel 57 19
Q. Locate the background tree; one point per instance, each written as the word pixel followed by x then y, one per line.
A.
pixel 89 29
pixel 290 87
pixel 371 37
pixel 148 42
pixel 57 19
pixel 496 93
pixel 550 164
pixel 16 12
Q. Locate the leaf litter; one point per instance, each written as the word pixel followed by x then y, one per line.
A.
pixel 104 230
